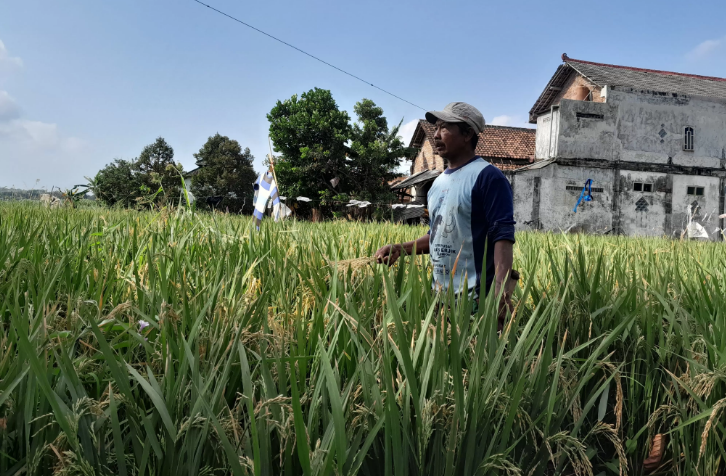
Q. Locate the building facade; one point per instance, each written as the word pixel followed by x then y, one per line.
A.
pixel 652 142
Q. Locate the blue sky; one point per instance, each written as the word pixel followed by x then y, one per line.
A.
pixel 85 81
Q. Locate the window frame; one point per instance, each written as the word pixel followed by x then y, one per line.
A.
pixel 689 138
pixel 696 189
pixel 643 186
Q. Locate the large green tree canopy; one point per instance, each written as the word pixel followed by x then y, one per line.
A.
pixel 117 183
pixel 375 152
pixel 318 144
pixel 156 168
pixel 311 133
pixel 225 171
pixel 137 182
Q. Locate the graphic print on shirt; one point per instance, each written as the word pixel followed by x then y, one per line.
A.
pixel 450 225
pixel 444 236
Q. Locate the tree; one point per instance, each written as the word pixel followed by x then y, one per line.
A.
pixel 117 183
pixel 318 144
pixel 311 134
pixel 225 170
pixel 375 152
pixel 135 182
pixel 156 167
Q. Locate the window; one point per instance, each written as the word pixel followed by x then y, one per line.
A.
pixel 688 138
pixel 587 115
pixel 642 187
pixel 697 191
pixel 575 188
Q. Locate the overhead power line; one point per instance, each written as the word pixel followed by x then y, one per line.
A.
pixel 308 54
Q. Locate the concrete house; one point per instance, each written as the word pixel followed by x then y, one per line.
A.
pixel 509 148
pixel 652 142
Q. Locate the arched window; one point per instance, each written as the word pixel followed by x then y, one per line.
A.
pixel 688 138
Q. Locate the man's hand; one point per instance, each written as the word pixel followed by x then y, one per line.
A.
pixel 503 251
pixel 505 303
pixel 389 254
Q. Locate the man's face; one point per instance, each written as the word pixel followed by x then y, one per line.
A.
pixel 449 142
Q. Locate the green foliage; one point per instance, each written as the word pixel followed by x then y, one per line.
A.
pixel 375 153
pixel 224 170
pixel 150 180
pixel 156 168
pixel 117 183
pixel 310 132
pixel 74 195
pixel 266 353
pixel 318 144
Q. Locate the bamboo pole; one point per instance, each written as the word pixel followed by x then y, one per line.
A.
pixel 272 164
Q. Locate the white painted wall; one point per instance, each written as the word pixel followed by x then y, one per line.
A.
pixel 709 206
pixel 542 138
pixel 523 194
pixel 643 223
pixel 557 203
pixel 586 137
pixel 631 126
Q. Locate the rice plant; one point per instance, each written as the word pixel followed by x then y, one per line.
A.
pixel 174 343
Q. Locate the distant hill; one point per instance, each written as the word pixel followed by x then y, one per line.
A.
pixel 33 194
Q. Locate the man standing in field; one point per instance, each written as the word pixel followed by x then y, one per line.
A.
pixel 470 208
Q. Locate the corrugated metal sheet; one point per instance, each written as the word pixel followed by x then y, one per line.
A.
pixel 416 179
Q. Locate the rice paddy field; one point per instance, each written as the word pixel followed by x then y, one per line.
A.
pixel 173 343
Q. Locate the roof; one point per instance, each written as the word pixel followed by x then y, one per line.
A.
pixel 494 142
pixel 628 77
pixel 510 165
pixel 506 142
pixel 539 164
pixel 397 180
pixel 192 172
pixel 403 214
pixel 415 179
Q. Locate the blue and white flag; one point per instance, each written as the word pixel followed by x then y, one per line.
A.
pixel 266 189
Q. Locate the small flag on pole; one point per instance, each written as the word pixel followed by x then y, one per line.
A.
pixel 265 189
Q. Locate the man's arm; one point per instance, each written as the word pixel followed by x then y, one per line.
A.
pixel 502 263
pixel 390 253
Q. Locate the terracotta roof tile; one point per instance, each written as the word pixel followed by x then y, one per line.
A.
pixel 628 77
pixel 506 142
pixel 499 142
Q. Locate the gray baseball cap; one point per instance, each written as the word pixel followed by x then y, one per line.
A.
pixel 458 112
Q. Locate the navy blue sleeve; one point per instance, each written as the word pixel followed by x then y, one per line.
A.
pixel 492 220
pixel 492 200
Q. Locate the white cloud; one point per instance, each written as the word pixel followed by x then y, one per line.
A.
pixel 706 48
pixel 8 62
pixel 511 121
pixel 36 151
pixel 406 131
pixel 502 121
pixel 36 135
pixel 8 107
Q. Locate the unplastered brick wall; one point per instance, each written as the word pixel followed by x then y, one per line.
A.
pixel 427 159
pixel 574 88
